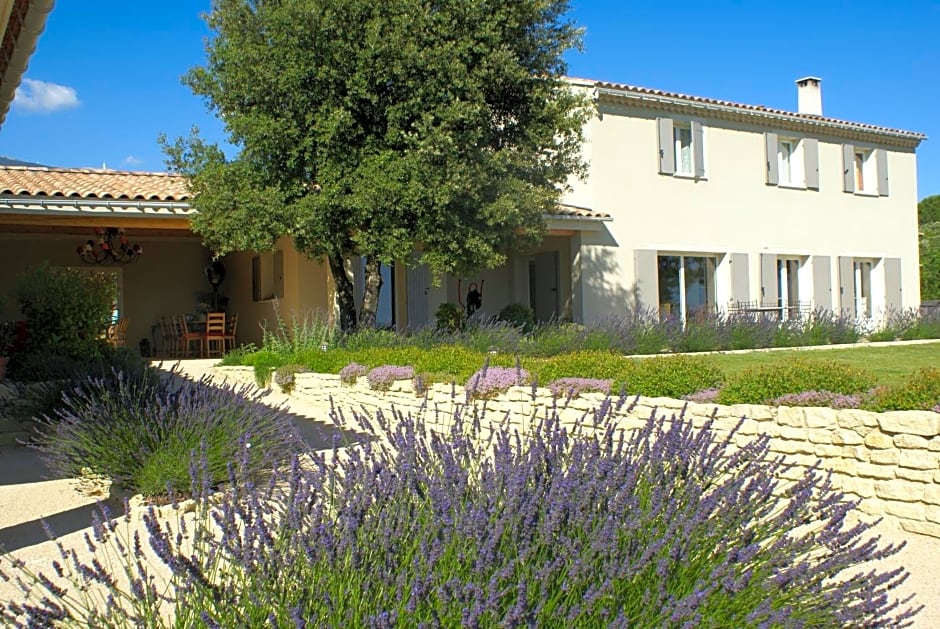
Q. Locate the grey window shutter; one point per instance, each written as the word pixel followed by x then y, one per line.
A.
pixel 279 273
pixel 646 294
pixel 770 142
pixel 667 147
pixel 768 279
pixel 847 284
pixel 881 161
pixel 698 148
pixel 740 287
pixel 822 282
pixel 893 289
pixel 811 163
pixel 848 167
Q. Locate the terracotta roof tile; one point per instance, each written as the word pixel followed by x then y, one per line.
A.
pixel 573 211
pixel 633 89
pixel 88 183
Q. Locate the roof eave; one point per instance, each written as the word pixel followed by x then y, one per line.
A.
pixel 907 138
pixel 33 24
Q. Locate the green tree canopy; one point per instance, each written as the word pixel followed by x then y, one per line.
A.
pixel 930 261
pixel 928 210
pixel 365 128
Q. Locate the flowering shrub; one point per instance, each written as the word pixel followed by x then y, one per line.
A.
pixel 761 384
pixel 568 527
pixel 144 434
pixel 921 390
pixel 381 378
pixel 351 372
pixel 286 377
pixel 819 398
pixel 573 387
pixel 489 381
pixel 705 396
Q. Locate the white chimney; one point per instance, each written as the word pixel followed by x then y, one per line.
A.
pixel 809 96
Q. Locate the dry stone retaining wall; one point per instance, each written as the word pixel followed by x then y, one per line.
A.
pixel 889 461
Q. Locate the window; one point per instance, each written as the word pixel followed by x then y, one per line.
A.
pixel 862 270
pixel 792 162
pixel 686 285
pixel 681 148
pixel 267 276
pixel 788 287
pixel 865 170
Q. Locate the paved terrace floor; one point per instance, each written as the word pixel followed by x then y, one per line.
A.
pixel 29 492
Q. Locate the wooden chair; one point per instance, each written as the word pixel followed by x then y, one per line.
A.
pixel 230 328
pixel 117 333
pixel 169 337
pixel 215 333
pixel 186 337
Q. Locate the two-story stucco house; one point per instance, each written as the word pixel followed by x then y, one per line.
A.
pixel 690 204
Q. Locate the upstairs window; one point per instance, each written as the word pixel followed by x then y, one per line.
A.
pixel 681 148
pixel 792 162
pixel 864 170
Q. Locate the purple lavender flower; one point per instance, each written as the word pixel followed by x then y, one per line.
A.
pixel 819 398
pixel 705 396
pixel 381 378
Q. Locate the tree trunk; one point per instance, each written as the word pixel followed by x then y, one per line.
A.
pixel 370 294
pixel 345 296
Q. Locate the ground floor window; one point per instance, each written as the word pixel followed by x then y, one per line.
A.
pixel 788 287
pixel 686 285
pixel 863 288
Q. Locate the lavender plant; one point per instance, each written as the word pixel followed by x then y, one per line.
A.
pixel 820 398
pixel 578 527
pixel 143 433
pixel 381 378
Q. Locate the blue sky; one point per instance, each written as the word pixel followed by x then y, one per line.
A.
pixel 105 78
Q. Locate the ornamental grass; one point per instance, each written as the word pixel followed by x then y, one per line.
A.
pixel 481 526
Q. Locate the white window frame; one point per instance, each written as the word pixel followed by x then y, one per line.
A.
pixel 792 164
pixel 678 130
pixel 869 171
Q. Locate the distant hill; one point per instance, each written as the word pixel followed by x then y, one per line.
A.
pixel 9 161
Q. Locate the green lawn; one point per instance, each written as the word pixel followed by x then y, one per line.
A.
pixel 891 364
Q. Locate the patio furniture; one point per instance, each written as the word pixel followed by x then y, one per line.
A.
pixel 231 324
pixel 169 337
pixel 117 333
pixel 187 337
pixel 215 334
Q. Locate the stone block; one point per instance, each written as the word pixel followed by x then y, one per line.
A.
pixel 791 416
pixel 921 528
pixel 793 433
pixel 819 435
pixel 885 457
pixel 923 423
pixel 909 510
pixel 872 506
pixel 868 470
pixel 826 451
pixel 921 476
pixel 911 442
pixel 932 494
pixel 821 417
pixel 918 459
pixel 843 466
pixel 791 447
pixel 861 487
pixel 847 437
pixel 934 444
pixel 932 513
pixel 879 441
pixel 849 419
pixel 902 490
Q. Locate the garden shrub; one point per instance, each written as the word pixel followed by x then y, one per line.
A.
pixel 819 398
pixel 302 332
pixel 921 391
pixel 381 378
pixel 490 335
pixel 574 387
pixel 67 310
pixel 567 527
pixel 350 373
pixel 759 385
pixel 552 339
pixel 594 364
pixel 705 396
pixel 449 318
pixel 671 376
pixel 285 377
pixel 371 338
pixel 519 316
pixel 143 434
pixel 491 381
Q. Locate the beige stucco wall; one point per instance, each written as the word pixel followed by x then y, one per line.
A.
pixel 733 209
pixel 888 462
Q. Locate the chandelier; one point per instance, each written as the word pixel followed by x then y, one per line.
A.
pixel 109 245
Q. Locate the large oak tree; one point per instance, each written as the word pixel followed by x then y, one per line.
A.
pixel 370 127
